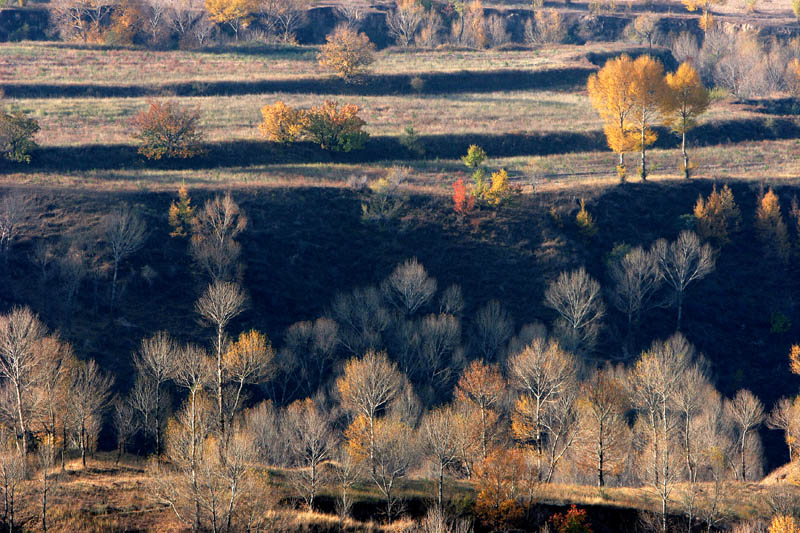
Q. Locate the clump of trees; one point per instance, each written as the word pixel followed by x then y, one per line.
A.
pixel 494 190
pixel 632 96
pixel 333 128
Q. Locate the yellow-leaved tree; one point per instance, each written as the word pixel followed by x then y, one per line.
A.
pixel 771 227
pixel 237 14
pixel 648 93
pixel 717 215
pixel 610 96
pixel 347 52
pixel 282 123
pixel 687 99
pixel 706 19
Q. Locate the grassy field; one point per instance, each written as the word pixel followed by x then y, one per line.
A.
pixel 111 496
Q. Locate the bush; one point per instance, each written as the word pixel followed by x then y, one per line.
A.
pixel 384 200
pixel 336 129
pixel 573 521
pixel 282 123
pixel 169 130
pixel 500 191
pixel 585 221
pixel 347 52
pixel 16 136
pixel 463 201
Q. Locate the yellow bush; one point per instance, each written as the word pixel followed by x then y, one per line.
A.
pixel 282 123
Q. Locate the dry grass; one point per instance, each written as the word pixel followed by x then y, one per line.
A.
pixel 43 62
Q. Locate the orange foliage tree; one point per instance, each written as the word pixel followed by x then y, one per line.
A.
pixel 499 487
pixel 167 129
pixel 573 521
pixel 347 52
pixel 463 201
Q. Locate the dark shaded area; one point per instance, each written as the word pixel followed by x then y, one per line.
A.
pixel 565 79
pixel 303 245
pixel 775 106
pixel 382 148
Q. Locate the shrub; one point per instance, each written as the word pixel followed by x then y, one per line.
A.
pixel 384 200
pixel 716 216
pixel 547 27
pixel 585 221
pixel 181 214
pixel 16 136
pixel 169 130
pixel 796 8
pixel 500 191
pixel 411 141
pixel 347 52
pixel 336 129
pixel 793 75
pixel 475 157
pixel 463 201
pixel 282 123
pixel 573 521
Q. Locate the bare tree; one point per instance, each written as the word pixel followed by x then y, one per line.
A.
pixel 604 440
pixel 312 345
pixel 682 262
pixel 47 458
pixel 12 473
pixel 353 14
pixel 307 428
pixel 362 319
pixel 182 15
pixel 77 18
pixel 542 373
pixel 157 359
pixel 155 19
pixel 215 227
pixel 439 439
pixel 786 417
pixel 347 472
pixel 124 233
pixel 395 452
pixel 483 388
pixel 287 16
pixel 747 413
pixel 493 327
pixel 409 287
pixel 440 351
pixel 124 422
pixel 366 387
pixel 405 20
pixel 92 389
pixel 691 395
pixel 575 296
pixel 20 332
pixel 636 278
pixel 451 301
pixel 14 209
pixel 144 401
pixel 644 29
pixel 56 362
pixel 219 304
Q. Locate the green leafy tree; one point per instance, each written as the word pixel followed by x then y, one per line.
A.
pixel 16 136
pixel 334 128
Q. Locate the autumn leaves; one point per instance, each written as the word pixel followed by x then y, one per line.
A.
pixel 633 95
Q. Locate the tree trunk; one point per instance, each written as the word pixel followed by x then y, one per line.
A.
pixel 21 419
pixel 644 160
pixel 685 156
pixel 220 414
pixel 680 309
pixel 441 482
pixel 44 500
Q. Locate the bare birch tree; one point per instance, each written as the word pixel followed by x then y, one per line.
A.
pixel 123 231
pixel 409 287
pixel 683 262
pixel 576 297
pixel 157 359
pixel 220 303
pixel 747 414
pixel 92 391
